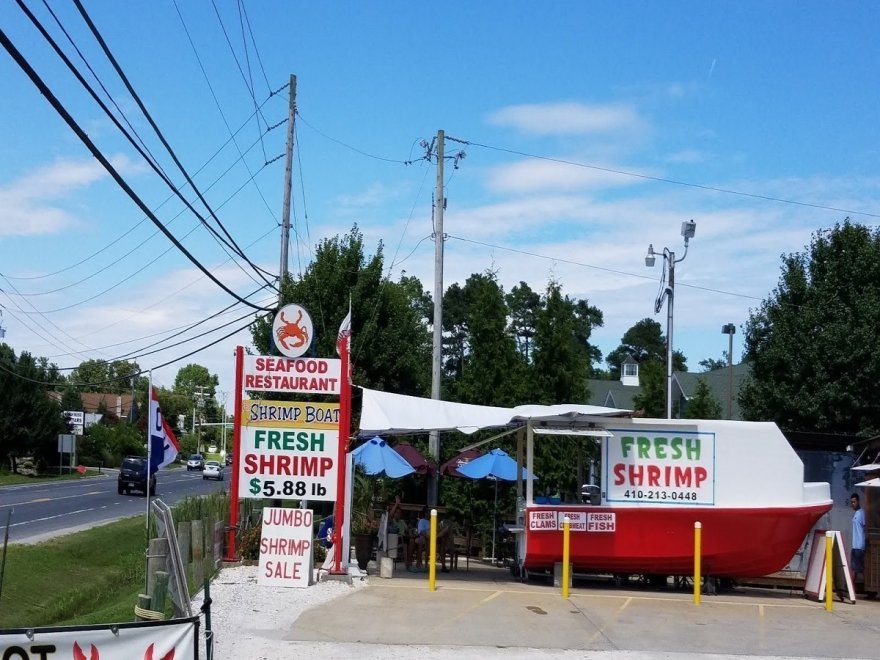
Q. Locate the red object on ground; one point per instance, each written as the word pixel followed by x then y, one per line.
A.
pixel 232 527
pixel 451 466
pixel 81 469
pixel 414 457
pixel 660 540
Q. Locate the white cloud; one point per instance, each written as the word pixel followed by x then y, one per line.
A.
pixel 533 175
pixel 568 118
pixel 32 205
pixel 686 156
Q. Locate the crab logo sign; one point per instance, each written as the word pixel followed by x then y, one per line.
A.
pixel 292 330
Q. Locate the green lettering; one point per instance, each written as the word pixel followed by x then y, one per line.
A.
pixel 675 444
pixel 317 441
pixel 274 440
pixel 660 447
pixel 693 449
pixel 259 436
pixel 626 443
pixel 644 445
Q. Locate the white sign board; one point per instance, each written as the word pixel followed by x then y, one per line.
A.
pixel 285 547
pixel 152 639
pixel 293 375
pixel 76 419
pixel 553 520
pixel 66 443
pixel 671 467
pixel 289 450
pixel 292 330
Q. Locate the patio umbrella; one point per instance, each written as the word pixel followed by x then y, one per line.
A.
pixel 375 456
pixel 451 466
pixel 414 457
pixel 495 465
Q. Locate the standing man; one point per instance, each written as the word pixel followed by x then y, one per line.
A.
pixel 857 554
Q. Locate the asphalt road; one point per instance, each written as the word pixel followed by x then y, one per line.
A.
pixel 44 510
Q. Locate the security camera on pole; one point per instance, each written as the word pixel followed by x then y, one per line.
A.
pixel 688 228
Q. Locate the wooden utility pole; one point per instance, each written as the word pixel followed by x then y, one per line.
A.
pixel 288 176
pixel 437 356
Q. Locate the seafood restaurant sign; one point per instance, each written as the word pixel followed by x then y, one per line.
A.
pixel 288 450
pixel 293 375
pixel 660 467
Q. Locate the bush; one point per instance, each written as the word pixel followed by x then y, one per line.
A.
pixel 249 544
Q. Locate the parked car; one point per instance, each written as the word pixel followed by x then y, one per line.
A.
pixel 213 470
pixel 133 476
pixel 195 462
pixel 591 494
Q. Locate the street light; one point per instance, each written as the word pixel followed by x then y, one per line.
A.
pixel 729 329
pixel 688 228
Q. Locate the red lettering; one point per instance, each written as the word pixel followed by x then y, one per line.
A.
pixel 682 476
pixel 653 475
pixel 700 475
pixel 619 474
pixel 250 464
pixel 259 364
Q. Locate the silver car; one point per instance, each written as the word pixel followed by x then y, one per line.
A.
pixel 213 470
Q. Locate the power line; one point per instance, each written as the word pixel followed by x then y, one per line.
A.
pixel 160 135
pixel 726 191
pixel 220 108
pixel 595 267
pixel 74 126
pixel 247 21
pixel 355 149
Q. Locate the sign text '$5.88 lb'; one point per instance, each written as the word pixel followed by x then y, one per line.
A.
pixel 287 487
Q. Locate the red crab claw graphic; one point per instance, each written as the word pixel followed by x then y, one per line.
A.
pixel 149 654
pixel 79 655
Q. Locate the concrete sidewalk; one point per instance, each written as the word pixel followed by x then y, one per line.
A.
pixel 486 607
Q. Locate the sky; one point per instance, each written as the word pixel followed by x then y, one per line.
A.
pixel 587 130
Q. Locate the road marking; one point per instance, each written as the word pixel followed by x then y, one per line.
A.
pixel 600 632
pixel 466 611
pixel 60 515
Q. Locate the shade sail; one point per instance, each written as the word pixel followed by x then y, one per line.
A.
pixel 870 483
pixel 415 458
pixel 375 456
pixel 497 463
pixel 383 412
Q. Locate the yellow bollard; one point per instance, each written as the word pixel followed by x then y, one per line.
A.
pixel 566 553
pixel 432 555
pixel 698 555
pixel 829 570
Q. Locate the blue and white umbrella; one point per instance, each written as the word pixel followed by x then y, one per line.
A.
pixel 497 464
pixel 376 456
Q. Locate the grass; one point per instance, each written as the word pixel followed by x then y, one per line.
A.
pixel 88 577
pixel 93 576
pixel 13 479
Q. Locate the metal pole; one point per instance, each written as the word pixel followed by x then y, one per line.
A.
pixel 730 372
pixel 288 175
pixel 232 527
pixel 671 296
pixel 437 355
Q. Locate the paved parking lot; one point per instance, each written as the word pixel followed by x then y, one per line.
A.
pixel 485 607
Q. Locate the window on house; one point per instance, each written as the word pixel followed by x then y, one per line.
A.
pixel 630 369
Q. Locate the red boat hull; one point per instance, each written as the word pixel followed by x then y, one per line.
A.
pixel 736 542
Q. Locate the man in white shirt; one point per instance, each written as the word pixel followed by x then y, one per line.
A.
pixel 857 553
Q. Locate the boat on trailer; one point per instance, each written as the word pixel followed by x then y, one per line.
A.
pixel 741 481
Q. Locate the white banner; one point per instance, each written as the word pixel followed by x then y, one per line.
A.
pixel 660 467
pixel 285 547
pixel 150 640
pixel 296 375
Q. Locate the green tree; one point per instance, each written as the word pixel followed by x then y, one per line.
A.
pixel 703 405
pixel 30 420
pixel 562 353
pixel 391 342
pixel 812 343
pixel 491 368
pixel 644 341
pixel 523 304
pixel 711 364
pixel 651 401
pixel 103 376
pixel 71 399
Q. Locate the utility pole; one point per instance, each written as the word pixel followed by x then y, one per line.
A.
pixel 437 355
pixel 288 176
pixel 729 329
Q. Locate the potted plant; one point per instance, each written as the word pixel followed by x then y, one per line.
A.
pixel 364 526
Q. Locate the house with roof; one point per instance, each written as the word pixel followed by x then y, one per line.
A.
pixel 620 393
